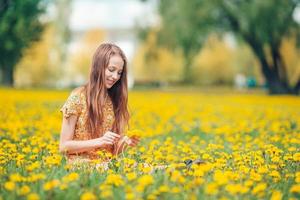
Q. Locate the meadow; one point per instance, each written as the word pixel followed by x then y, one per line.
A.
pixel 250 144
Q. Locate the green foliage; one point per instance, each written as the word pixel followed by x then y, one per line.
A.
pixel 19 27
pixel 263 25
pixel 184 28
pixel 40 64
pixel 165 65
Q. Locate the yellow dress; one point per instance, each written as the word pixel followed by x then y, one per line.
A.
pixel 76 105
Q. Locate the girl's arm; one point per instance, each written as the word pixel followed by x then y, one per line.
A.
pixel 71 146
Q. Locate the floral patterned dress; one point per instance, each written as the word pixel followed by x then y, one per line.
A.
pixel 76 105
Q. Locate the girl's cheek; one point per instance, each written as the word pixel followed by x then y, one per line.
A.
pixel 109 74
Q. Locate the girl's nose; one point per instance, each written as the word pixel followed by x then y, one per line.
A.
pixel 115 75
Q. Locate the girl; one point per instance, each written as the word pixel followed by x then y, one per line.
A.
pixel 95 116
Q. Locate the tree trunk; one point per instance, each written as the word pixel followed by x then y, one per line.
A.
pixel 187 68
pixel 277 87
pixel 187 79
pixel 274 83
pixel 7 76
pixel 271 72
pixel 296 89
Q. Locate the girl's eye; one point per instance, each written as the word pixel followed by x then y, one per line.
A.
pixel 111 70
pixel 120 73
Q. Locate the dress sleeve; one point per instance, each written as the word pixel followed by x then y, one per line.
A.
pixel 73 105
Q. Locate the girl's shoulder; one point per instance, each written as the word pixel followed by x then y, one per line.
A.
pixel 78 95
pixel 75 103
pixel 78 90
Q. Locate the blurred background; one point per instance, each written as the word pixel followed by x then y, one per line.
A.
pixel 237 44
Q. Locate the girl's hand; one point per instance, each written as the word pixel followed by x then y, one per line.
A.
pixel 109 138
pixel 132 141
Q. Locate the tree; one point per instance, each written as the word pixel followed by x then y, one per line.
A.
pixel 19 27
pixel 290 53
pixel 39 65
pixel 261 24
pixel 182 31
pixel 165 65
pixel 214 65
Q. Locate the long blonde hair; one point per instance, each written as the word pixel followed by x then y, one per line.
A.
pixel 95 91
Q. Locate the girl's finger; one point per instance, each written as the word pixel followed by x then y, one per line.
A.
pixel 109 140
pixel 136 141
pixel 111 137
pixel 135 137
pixel 114 134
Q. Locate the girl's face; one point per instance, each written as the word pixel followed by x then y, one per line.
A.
pixel 113 71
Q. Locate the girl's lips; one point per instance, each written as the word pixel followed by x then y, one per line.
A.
pixel 110 82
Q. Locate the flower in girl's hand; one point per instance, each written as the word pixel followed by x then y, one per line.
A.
pixel 134 132
pixel 132 141
pixel 132 137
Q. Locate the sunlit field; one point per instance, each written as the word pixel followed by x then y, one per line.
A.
pixel 250 145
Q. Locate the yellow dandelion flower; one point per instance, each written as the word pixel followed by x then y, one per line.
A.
pixel 275 174
pixel 114 179
pixel 51 184
pixel 295 189
pixel 88 196
pixel 144 181
pixel 176 176
pixel 70 177
pixel 106 193
pixel 211 189
pixel 9 185
pixel 25 189
pixel 276 195
pixel 296 157
pixel 259 188
pixel 131 176
pixel 163 188
pixel 33 196
pixel 130 196
pixel 220 177
pixel 15 177
pixel 175 190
